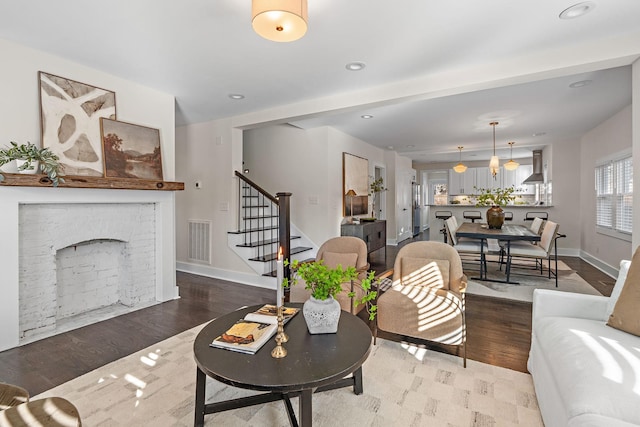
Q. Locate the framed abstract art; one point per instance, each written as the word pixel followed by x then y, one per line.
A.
pixel 70 114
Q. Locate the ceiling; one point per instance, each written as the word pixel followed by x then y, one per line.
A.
pixel 203 50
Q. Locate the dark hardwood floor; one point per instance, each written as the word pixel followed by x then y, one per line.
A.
pixel 498 330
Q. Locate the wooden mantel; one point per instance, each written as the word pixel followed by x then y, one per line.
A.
pixel 40 180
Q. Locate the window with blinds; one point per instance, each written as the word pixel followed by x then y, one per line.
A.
pixel 614 196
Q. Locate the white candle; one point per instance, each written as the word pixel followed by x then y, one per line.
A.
pixel 279 277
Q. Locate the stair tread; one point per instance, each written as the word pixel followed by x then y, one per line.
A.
pixel 251 230
pixel 274 273
pixel 262 242
pixel 246 218
pixel 273 256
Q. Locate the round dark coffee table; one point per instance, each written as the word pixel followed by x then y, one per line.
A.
pixel 314 363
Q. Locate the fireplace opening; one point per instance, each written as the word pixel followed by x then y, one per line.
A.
pixel 83 263
pixel 90 275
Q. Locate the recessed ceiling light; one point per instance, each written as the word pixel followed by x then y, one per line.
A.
pixel 539 134
pixel 355 66
pixel 577 10
pixel 581 83
pixel 367 116
pixel 236 96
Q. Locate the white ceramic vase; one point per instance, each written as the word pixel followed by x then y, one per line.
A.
pixel 9 167
pixel 34 164
pixel 322 316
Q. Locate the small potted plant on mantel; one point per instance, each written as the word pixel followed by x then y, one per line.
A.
pixel 30 158
pixel 496 198
pixel 325 283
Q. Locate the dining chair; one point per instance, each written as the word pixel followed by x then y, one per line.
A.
pixel 427 297
pixel 347 251
pixel 536 226
pixel 467 246
pixel 540 252
pixel 508 216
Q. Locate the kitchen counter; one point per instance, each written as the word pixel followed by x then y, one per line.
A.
pixel 459 205
pixel 519 212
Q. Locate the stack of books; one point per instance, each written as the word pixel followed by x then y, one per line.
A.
pixel 249 334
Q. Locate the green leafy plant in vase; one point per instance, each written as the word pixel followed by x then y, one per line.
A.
pixel 29 157
pixel 495 198
pixel 325 283
pixel 376 187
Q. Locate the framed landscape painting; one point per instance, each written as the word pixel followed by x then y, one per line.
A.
pixel 130 151
pixel 70 114
pixel 355 185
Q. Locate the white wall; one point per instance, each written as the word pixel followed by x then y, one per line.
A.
pixel 205 152
pixel 562 159
pixel 308 164
pixel 20 109
pixel 609 137
pixel 20 102
pixel 635 131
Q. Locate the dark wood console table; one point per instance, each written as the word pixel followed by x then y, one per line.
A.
pixel 374 233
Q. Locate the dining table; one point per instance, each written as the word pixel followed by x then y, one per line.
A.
pixel 507 234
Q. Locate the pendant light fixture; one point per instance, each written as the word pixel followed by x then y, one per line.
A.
pixel 279 20
pixel 511 165
pixel 494 164
pixel 460 168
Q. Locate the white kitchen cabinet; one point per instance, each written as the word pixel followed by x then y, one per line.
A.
pixel 485 180
pixel 515 178
pixel 462 183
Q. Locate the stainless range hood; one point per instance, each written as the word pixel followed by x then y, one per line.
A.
pixel 536 177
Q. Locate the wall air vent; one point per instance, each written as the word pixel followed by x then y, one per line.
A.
pixel 200 241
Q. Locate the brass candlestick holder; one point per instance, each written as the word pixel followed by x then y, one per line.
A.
pixel 279 351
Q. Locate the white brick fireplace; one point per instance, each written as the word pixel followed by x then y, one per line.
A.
pixel 65 251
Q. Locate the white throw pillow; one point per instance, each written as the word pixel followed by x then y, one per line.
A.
pixel 622 276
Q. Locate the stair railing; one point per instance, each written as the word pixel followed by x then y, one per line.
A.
pixel 257 212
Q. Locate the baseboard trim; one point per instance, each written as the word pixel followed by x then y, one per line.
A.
pixel 231 276
pixel 599 264
pixel 269 283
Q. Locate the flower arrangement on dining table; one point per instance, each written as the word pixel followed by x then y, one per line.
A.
pixel 494 196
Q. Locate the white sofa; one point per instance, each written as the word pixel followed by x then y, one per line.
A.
pixel 585 373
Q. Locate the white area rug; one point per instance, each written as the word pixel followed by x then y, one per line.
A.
pixel 403 386
pixel 568 281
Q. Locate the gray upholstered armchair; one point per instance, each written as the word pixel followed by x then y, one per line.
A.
pixel 348 252
pixel 426 300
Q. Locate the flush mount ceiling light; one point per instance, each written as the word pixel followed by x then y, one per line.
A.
pixel 367 116
pixel 279 20
pixel 460 167
pixel 577 10
pixel 236 96
pixel 511 165
pixel 355 66
pixel 494 164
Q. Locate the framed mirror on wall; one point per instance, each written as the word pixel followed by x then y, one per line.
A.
pixel 355 185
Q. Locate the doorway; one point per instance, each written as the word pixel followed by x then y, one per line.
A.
pixel 379 201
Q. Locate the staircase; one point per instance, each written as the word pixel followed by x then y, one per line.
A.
pixel 261 223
